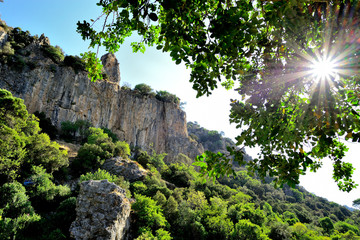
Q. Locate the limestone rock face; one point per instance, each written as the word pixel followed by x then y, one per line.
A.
pixel 102 212
pixel 130 170
pixel 111 67
pixel 64 95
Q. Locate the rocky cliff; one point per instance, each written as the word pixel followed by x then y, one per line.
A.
pixel 65 93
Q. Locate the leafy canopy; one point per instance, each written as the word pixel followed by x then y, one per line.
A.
pixel 266 49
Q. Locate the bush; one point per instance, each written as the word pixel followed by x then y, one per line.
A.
pixel 70 130
pixel 7 49
pixel 14 200
pixel 101 174
pixel 148 213
pixel 41 151
pixel 167 97
pixel 44 188
pixel 143 88
pixel 54 53
pixel 90 157
pixel 110 134
pixel 122 149
pixel 75 62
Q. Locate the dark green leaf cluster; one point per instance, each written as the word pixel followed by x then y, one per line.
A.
pixel 144 89
pixel 75 62
pixel 54 53
pixel 167 97
pixel 98 148
pixel 75 131
pixel 27 161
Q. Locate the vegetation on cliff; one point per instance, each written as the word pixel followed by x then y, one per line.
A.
pixel 172 202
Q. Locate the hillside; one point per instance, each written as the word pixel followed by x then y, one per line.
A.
pixel 108 188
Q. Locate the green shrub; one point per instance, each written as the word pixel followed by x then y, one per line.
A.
pixel 75 62
pixel 126 86
pixel 142 157
pixel 45 188
pixel 7 49
pixel 110 134
pixel 97 136
pixel 42 151
pixel 148 213
pixel 167 97
pixel 122 149
pixel 16 62
pixel 90 157
pixel 101 174
pixel 54 53
pixel 70 130
pixel 14 200
pixel 143 88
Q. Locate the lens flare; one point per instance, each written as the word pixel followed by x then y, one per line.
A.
pixel 323 69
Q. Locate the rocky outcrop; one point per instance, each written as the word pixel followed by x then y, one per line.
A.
pixel 111 67
pixel 102 212
pixel 66 95
pixel 130 170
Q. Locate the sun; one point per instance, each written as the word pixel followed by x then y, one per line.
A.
pixel 323 69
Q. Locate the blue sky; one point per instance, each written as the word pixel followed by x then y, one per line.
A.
pixel 57 20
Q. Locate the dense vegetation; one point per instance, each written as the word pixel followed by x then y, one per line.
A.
pixel 269 51
pixel 173 201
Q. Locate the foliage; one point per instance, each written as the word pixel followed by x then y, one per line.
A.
pixel 143 88
pixel 92 65
pixel 244 229
pixel 54 53
pixel 326 224
pixel 75 62
pixel 90 157
pixel 148 213
pixel 14 200
pixel 21 144
pixel 99 148
pixel 344 227
pixel 70 130
pixel 167 97
pixel 101 174
pixel 43 187
pixel 356 203
pixel 43 152
pixel 266 49
pixel 110 134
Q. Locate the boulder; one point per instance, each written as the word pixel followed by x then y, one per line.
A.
pixel 102 212
pixel 130 170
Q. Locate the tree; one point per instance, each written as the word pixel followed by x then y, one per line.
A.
pixel 356 203
pixel 268 48
pixel 327 225
pixel 21 143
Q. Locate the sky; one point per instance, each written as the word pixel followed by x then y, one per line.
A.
pixel 57 20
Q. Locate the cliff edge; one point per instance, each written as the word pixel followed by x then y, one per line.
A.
pixel 63 92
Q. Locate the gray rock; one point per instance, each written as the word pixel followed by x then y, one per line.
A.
pixel 102 212
pixel 130 170
pixel 111 67
pixel 64 95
